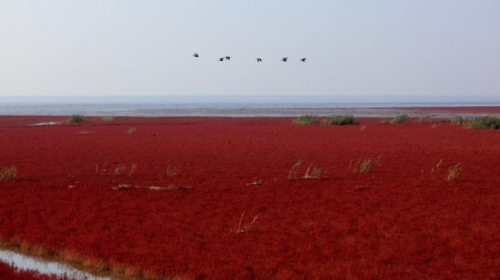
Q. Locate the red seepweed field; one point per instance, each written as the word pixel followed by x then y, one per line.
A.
pixel 225 198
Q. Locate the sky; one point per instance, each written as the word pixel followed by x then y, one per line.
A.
pixel 356 48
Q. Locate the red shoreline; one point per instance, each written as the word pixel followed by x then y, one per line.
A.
pixel 402 220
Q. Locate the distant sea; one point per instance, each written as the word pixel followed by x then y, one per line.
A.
pixel 144 107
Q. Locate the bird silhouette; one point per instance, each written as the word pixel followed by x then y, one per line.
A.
pixel 196 55
pixel 221 59
pixel 259 59
pixel 228 58
pixel 284 59
pixel 303 60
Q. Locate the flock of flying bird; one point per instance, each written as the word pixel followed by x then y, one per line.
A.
pixel 284 59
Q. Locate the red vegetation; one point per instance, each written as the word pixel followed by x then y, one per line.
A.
pixel 225 209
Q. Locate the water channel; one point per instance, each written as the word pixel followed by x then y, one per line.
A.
pixel 23 262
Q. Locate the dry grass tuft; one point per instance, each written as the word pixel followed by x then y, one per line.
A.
pixel 436 169
pixel 293 171
pixel 108 119
pixel 256 183
pixel 435 124
pixel 242 228
pixel 121 168
pixel 172 171
pixel 131 131
pixel 399 119
pixel 312 172
pixel 8 173
pixel 132 170
pixel 453 172
pixel 364 165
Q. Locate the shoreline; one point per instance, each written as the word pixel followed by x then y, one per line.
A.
pixel 255 112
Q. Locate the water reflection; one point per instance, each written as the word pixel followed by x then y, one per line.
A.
pixel 23 262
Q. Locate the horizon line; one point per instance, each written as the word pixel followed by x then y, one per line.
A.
pixel 197 98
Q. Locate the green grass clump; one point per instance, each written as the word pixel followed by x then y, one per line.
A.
pixel 484 123
pixel 306 120
pixel 75 119
pixel 458 120
pixel 8 173
pixel 399 119
pixel 340 120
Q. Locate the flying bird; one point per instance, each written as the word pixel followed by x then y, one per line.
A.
pixel 284 59
pixel 221 59
pixel 196 55
pixel 303 60
pixel 259 59
pixel 228 58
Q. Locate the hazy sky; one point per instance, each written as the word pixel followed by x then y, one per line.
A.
pixel 353 48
